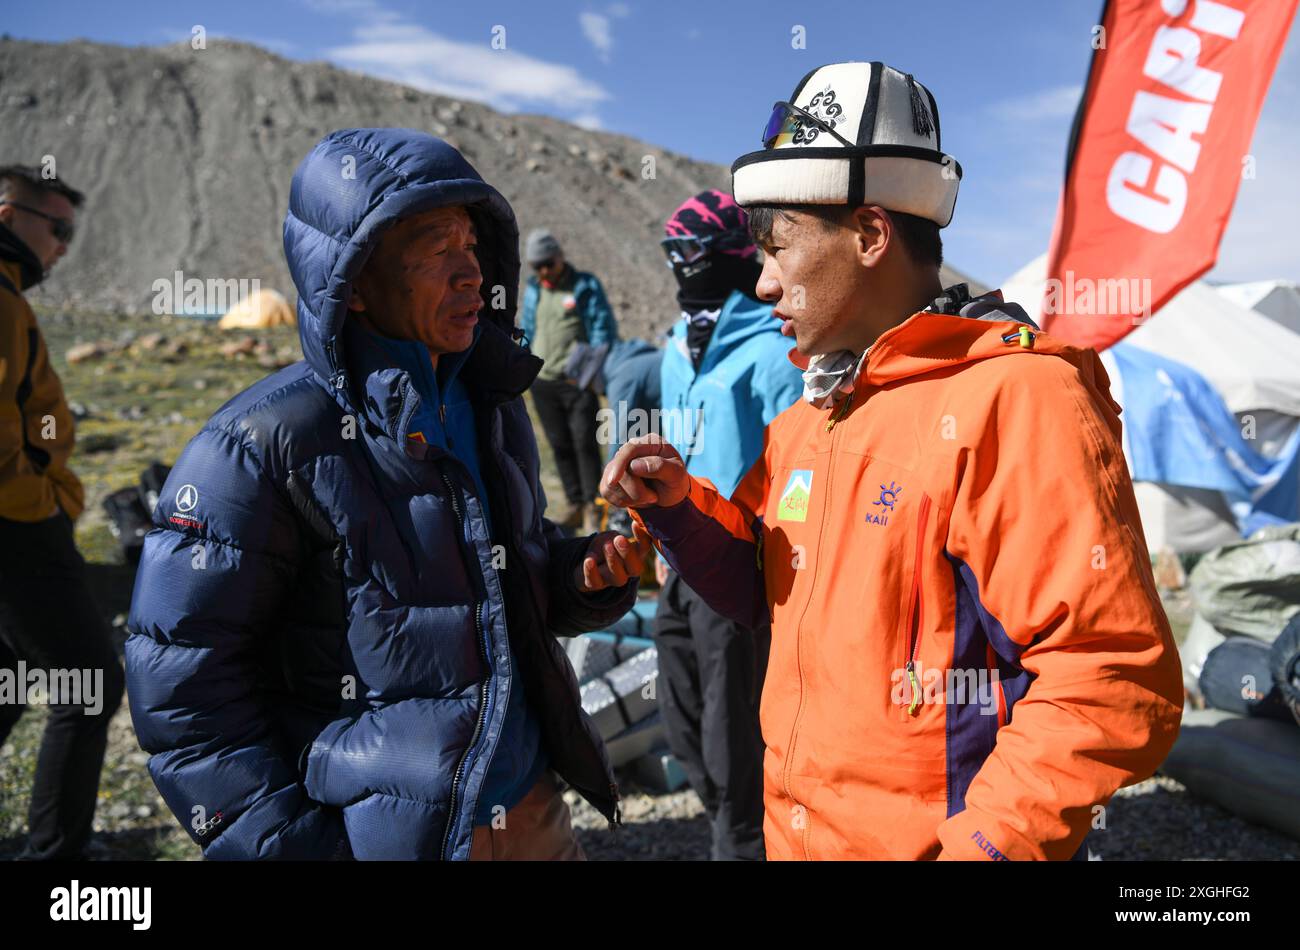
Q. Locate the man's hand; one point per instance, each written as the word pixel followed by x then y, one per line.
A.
pixel 612 560
pixel 646 471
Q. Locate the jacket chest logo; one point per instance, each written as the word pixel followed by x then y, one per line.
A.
pixel 885 505
pixel 186 500
pixel 795 497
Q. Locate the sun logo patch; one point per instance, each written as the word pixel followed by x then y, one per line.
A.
pixel 796 496
pixel 888 498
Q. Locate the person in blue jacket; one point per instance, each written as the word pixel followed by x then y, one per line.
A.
pixel 725 375
pixel 564 308
pixel 626 372
pixel 342 636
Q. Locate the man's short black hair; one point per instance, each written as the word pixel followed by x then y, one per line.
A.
pixel 920 235
pixel 24 183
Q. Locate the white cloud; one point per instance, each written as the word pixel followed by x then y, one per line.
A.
pixel 1258 244
pixel 596 28
pixel 599 30
pixel 393 48
pixel 1051 103
pixel 589 121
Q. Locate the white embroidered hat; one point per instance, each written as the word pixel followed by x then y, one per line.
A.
pixel 855 134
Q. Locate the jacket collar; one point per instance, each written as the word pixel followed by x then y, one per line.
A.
pixel 984 328
pixel 954 328
pixel 26 271
pixel 496 370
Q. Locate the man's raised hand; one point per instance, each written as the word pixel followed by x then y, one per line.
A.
pixel 612 560
pixel 646 471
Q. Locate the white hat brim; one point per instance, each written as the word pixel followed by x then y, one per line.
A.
pixel 924 187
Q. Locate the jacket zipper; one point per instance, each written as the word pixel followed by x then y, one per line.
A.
pixel 516 558
pixel 991 658
pixel 914 609
pixel 839 413
pixel 480 638
pixel 842 409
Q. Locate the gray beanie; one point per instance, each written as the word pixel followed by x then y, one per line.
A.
pixel 541 246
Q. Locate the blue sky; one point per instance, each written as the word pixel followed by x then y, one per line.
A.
pixel 699 78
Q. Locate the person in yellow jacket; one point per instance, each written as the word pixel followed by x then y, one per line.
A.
pixel 50 629
pixel 968 652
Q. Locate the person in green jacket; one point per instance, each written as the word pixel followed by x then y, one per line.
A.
pixel 563 307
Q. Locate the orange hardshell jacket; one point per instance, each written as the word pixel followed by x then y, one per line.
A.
pixel 968 654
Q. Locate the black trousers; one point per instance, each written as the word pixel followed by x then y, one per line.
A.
pixel 49 621
pixel 711 673
pixel 568 416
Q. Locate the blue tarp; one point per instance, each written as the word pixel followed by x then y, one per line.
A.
pixel 1180 432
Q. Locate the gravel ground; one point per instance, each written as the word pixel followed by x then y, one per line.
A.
pixel 1159 820
pixel 656 828
pixel 1155 820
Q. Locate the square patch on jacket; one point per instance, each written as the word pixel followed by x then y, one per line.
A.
pixel 795 497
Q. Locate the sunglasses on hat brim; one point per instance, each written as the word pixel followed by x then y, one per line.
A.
pixel 793 122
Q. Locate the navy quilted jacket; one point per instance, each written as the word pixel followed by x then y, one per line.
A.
pixel 321 630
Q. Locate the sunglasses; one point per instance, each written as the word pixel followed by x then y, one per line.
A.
pixel 798 126
pixel 688 248
pixel 61 228
pixel 544 265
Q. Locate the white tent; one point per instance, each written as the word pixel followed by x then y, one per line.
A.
pixel 1176 517
pixel 1276 299
pixel 1253 363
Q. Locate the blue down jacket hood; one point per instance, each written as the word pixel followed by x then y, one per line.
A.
pixel 352 186
pixel 325 630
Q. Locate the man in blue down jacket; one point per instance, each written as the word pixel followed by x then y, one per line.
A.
pixel 342 637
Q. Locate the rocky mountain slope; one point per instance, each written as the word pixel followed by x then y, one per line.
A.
pixel 186 158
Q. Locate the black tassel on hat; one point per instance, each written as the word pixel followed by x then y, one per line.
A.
pixel 920 114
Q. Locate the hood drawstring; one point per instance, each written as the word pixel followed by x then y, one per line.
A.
pixel 1023 335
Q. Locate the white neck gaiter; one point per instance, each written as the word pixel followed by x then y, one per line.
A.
pixel 829 376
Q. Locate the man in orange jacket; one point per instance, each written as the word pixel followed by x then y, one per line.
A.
pixel 968 652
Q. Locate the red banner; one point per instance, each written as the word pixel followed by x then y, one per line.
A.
pixel 1158 150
